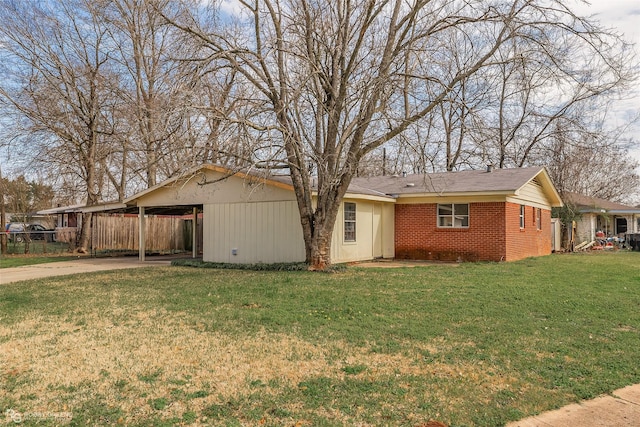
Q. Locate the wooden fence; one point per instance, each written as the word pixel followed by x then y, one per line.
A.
pixel 120 233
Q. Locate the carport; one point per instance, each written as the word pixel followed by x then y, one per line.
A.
pixel 181 210
pixel 129 207
pixel 246 217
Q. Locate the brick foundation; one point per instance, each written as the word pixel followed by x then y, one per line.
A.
pixel 493 234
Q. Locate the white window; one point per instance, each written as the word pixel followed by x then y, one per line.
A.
pixel 538 219
pixel 349 222
pixel 521 216
pixel 453 215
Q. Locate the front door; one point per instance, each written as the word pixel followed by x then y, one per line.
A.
pixel 621 225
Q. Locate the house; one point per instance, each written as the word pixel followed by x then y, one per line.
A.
pixel 600 215
pixel 493 215
pixel 65 216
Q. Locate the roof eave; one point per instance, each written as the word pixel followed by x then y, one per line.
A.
pixel 549 189
pixel 609 211
pixel 454 194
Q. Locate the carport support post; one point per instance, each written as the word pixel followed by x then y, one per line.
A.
pixel 194 234
pixel 142 231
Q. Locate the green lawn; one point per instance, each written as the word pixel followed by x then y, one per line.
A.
pixel 470 344
pixel 39 247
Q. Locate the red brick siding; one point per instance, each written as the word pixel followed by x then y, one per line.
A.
pixel 527 242
pixel 493 234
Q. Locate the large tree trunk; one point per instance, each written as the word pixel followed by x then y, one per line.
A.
pixel 320 251
pixel 84 241
pixel 318 247
pixel 318 230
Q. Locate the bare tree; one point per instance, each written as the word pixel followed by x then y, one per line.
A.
pixel 3 235
pixel 333 82
pixel 151 86
pixel 544 83
pixel 594 164
pixel 58 78
pixel 544 89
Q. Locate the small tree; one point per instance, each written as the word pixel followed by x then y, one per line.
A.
pixel 567 214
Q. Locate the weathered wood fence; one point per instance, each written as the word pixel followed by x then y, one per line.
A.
pixel 120 233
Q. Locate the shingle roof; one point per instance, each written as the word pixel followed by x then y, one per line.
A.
pixel 595 204
pixel 470 181
pixel 503 181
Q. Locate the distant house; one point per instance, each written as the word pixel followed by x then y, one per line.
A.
pixel 612 219
pixel 493 215
pixel 67 221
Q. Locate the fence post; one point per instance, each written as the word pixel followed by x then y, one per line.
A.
pixel 194 234
pixel 142 231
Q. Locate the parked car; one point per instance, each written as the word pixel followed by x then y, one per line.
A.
pixel 18 232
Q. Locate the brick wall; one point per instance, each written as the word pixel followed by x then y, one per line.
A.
pixel 493 234
pixel 527 242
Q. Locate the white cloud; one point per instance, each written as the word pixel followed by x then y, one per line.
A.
pixel 623 16
pixel 231 7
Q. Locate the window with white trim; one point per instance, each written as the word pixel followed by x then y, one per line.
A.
pixel 453 215
pixel 522 216
pixel 349 222
pixel 538 219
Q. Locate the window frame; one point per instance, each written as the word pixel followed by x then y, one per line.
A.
pixel 347 220
pixel 441 218
pixel 522 217
pixel 538 219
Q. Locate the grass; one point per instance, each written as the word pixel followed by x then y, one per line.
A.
pixel 472 345
pixel 39 247
pixel 20 260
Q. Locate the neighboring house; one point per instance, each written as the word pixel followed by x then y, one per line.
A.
pixel 493 215
pixel 613 219
pixel 67 221
pixel 31 217
pixel 65 216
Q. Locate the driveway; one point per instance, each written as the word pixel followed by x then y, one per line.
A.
pixel 82 265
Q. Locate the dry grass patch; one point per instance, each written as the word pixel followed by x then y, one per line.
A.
pixel 160 364
pixel 148 357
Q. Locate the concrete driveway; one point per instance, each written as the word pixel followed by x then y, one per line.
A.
pixel 81 265
pixel 622 409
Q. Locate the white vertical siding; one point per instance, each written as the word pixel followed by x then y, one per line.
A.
pixel 388 230
pixel 374 233
pixel 376 230
pixel 265 232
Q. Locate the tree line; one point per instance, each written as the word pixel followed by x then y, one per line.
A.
pixel 113 96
